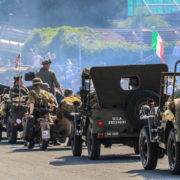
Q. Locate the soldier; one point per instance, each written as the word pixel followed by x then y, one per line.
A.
pixel 67 104
pixel 46 87
pixel 48 76
pixel 39 97
pixel 18 88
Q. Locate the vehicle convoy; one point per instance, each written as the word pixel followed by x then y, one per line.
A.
pixel 112 100
pixel 162 134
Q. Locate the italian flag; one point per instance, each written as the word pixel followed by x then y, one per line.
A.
pixel 157 45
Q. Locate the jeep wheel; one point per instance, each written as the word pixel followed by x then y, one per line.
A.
pixel 148 150
pixel 136 148
pixel 11 132
pixel 135 107
pixel 30 145
pixel 93 144
pixel 173 151
pixel 76 143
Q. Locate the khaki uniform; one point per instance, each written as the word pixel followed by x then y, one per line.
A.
pixel 48 76
pixel 3 104
pixel 40 97
pixel 67 104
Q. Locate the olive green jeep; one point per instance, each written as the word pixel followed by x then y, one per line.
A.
pixel 112 99
pixel 162 134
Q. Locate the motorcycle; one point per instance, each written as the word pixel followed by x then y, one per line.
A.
pixel 38 128
pixel 18 109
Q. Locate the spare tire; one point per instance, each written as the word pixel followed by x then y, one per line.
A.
pixel 135 104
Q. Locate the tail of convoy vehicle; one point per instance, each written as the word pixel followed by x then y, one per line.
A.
pixel 18 109
pixel 112 100
pixel 162 133
pixel 37 130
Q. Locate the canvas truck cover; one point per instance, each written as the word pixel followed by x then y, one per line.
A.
pixel 107 84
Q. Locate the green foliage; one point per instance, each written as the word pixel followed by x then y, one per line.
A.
pixel 90 48
pixel 66 37
pixel 65 41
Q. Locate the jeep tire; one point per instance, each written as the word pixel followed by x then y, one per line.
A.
pixel 148 150
pixel 76 143
pixel 139 99
pixel 136 148
pixel 173 152
pixel 93 144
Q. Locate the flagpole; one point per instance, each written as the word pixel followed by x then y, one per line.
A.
pixel 19 75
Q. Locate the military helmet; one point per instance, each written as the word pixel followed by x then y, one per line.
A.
pixel 68 92
pixel 36 81
pixel 46 86
pixel 46 61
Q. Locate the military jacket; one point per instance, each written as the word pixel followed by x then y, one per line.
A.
pixel 67 103
pixel 40 97
pixel 48 76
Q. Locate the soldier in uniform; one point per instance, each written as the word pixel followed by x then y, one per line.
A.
pixel 46 87
pixel 67 103
pixel 48 76
pixel 39 97
pixel 18 88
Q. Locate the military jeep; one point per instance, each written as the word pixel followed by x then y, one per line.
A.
pixel 112 100
pixel 162 134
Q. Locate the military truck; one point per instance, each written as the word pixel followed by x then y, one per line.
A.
pixel 163 130
pixel 112 100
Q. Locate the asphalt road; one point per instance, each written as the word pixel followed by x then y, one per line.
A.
pixel 57 163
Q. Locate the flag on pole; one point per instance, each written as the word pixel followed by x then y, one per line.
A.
pixel 157 45
pixel 17 60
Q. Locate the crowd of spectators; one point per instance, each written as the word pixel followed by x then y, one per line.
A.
pixel 68 70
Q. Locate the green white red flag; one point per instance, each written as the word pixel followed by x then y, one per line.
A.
pixel 157 45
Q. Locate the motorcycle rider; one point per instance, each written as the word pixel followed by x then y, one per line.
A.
pixel 39 102
pixel 18 89
pixel 39 97
pixel 68 102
